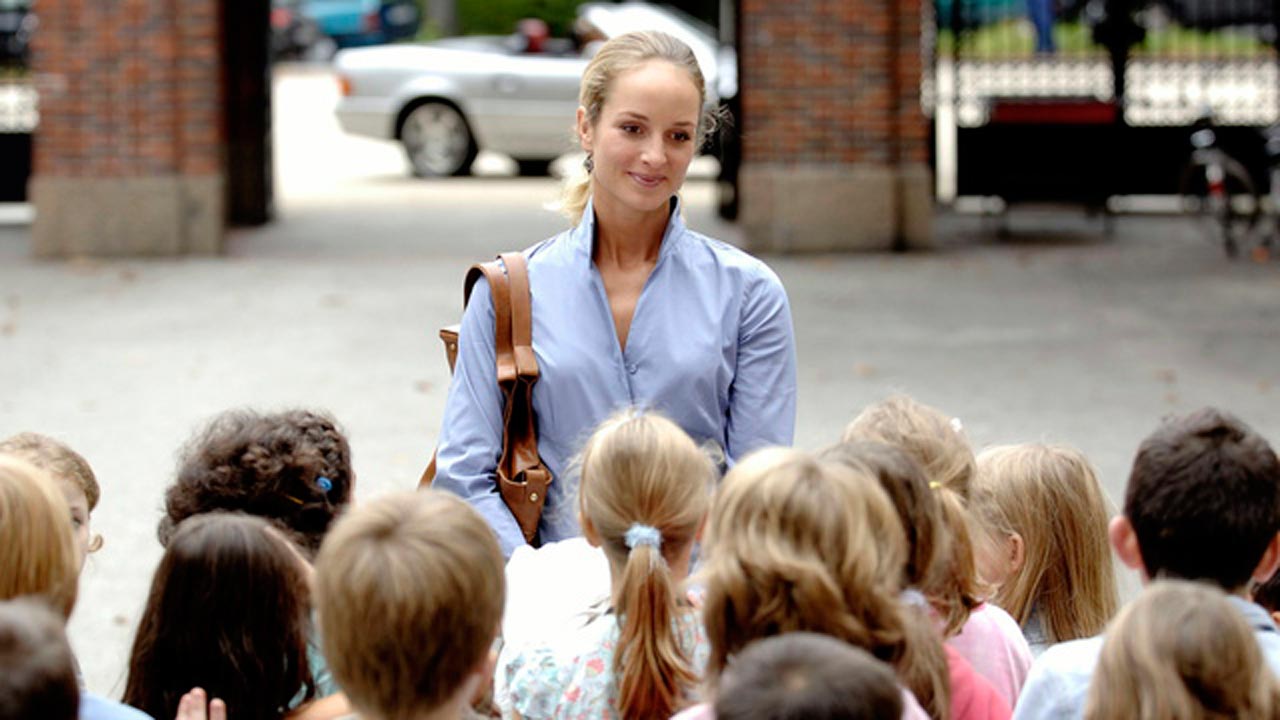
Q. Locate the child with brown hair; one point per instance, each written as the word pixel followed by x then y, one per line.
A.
pixel 809 676
pixel 981 632
pixel 1043 545
pixel 1182 652
pixel 229 611
pixel 643 495
pixel 798 544
pixel 292 468
pixel 409 591
pixel 72 474
pixel 37 671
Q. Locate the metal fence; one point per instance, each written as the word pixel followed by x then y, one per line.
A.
pixel 19 116
pixel 1095 86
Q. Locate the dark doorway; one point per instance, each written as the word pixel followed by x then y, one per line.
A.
pixel 246 40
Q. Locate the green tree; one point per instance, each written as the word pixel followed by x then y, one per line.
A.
pixel 499 17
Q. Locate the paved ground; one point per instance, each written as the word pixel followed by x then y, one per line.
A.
pixel 1061 334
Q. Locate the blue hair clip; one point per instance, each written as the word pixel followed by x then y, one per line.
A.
pixel 324 483
pixel 641 534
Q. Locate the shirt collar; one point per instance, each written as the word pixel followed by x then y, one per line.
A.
pixel 582 235
pixel 1256 615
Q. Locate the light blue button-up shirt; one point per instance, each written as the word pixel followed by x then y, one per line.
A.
pixel 710 346
pixel 1058 686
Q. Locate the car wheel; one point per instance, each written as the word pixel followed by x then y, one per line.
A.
pixel 437 140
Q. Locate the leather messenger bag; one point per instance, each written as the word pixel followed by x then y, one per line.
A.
pixel 521 475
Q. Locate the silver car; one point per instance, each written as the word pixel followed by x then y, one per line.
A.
pixel 446 100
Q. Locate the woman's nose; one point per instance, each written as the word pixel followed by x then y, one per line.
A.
pixel 654 151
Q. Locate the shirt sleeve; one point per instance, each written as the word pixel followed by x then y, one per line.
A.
pixel 762 396
pixel 471 432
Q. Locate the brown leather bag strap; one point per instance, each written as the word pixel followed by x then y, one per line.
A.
pixel 500 291
pixel 521 314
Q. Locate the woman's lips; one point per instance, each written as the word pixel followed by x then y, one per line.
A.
pixel 648 181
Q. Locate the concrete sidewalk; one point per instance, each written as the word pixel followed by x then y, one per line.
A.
pixel 1063 335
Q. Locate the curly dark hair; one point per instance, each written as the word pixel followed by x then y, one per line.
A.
pixel 268 465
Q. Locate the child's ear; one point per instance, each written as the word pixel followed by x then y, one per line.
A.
pixel 589 531
pixel 1017 552
pixel 1269 562
pixel 1125 542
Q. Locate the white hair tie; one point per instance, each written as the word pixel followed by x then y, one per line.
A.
pixel 640 534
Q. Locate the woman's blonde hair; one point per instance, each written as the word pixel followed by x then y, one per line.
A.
pixel 1182 651
pixel 617 56
pixel 37 547
pixel 798 544
pixel 1050 496
pixel 937 443
pixel 645 488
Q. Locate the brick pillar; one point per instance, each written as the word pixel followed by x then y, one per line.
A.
pixel 834 140
pixel 128 152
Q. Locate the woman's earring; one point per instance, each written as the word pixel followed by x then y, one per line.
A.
pixel 588 163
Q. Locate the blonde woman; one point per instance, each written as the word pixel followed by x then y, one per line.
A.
pixel 1182 651
pixel 1044 545
pixel 630 307
pixel 981 632
pixel 644 493
pixel 797 544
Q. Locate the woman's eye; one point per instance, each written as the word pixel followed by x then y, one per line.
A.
pixel 631 129
pixel 77 522
pixel 682 137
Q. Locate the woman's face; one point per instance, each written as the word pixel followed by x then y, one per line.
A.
pixel 644 139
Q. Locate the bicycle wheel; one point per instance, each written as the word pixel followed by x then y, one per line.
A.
pixel 1227 216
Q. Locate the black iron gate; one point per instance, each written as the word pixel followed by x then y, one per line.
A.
pixel 18 118
pixel 1079 100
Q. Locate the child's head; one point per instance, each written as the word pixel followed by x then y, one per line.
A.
pixel 37 551
pixel 807 675
pixel 410 593
pixel 228 611
pixel 73 475
pixel 1181 650
pixel 292 468
pixel 643 496
pixel 797 544
pixel 37 670
pixel 933 439
pixel 937 443
pixel 907 487
pixel 1044 541
pixel 1203 502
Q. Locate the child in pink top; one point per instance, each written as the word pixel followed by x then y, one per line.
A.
pixel 993 643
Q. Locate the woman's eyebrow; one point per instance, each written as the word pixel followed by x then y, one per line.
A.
pixel 633 115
